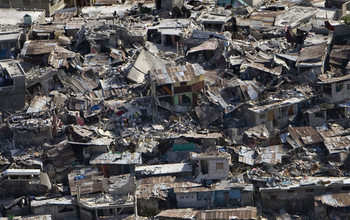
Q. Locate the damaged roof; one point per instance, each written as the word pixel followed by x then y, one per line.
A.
pixel 335 199
pixel 170 75
pixel 305 135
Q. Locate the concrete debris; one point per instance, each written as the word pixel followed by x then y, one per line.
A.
pixel 174 109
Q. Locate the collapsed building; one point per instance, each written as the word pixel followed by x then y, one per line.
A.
pixel 174 110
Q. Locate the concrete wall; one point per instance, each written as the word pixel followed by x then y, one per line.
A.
pixel 35 137
pixel 342 93
pixel 317 121
pixel 13 97
pixel 280 117
pixel 190 200
pixel 213 172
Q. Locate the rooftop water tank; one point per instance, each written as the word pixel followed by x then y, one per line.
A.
pixel 27 19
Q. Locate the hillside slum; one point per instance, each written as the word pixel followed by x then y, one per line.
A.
pixel 228 109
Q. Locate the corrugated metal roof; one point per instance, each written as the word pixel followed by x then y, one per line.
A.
pixel 271 155
pixel 239 213
pixel 38 47
pixel 337 144
pixel 177 213
pixel 169 75
pixel 308 135
pixel 341 199
pixel 259 66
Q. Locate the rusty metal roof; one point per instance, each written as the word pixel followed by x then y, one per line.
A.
pixel 38 47
pixel 239 213
pixel 312 53
pixel 169 75
pixel 259 66
pixel 337 144
pixel 340 199
pixel 308 135
pixel 177 213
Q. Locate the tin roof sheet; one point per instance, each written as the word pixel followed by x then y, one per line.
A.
pixel 169 75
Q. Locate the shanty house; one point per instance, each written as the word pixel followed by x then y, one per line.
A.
pixel 335 89
pixel 212 166
pixel 300 197
pixel 177 85
pixel 275 114
pixel 222 194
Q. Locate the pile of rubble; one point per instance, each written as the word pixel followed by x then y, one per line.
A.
pixel 175 110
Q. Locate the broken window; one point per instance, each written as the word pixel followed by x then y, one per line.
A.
pixel 273 197
pixel 290 191
pixel 338 87
pixel 219 166
pixel 262 116
pixel 348 86
pixel 5 1
pixel 204 167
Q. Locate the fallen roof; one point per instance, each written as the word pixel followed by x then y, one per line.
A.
pixel 324 79
pixel 210 44
pixel 306 135
pixel 38 47
pixel 175 74
pixel 338 199
pixel 295 16
pixel 207 114
pixel 212 18
pixel 144 62
pixel 312 55
pixel 259 66
pixel 123 158
pixel 337 144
